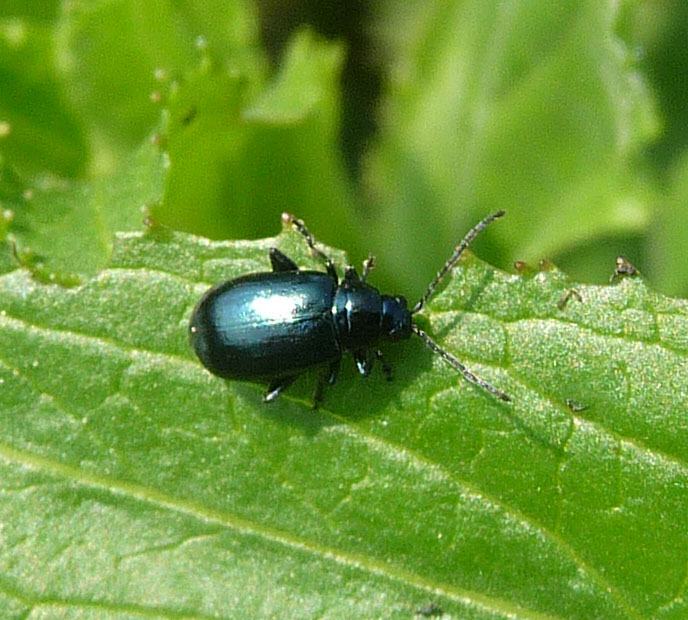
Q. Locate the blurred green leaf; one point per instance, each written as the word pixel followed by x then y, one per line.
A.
pixel 533 107
pixel 113 54
pixel 243 152
pixel 670 233
pixel 45 10
pixel 133 482
pixel 38 131
pixel 64 230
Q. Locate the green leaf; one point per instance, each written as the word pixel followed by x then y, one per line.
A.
pixel 64 229
pixel 223 120
pixel 668 239
pixel 243 151
pixel 38 130
pixel 532 107
pixel 39 11
pixel 110 52
pixel 136 484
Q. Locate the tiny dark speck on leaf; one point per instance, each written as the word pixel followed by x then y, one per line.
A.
pixel 561 304
pixel 431 610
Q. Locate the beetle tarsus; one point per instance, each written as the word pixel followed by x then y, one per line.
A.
pixel 276 387
pixel 334 371
pixel 364 363
pixel 368 266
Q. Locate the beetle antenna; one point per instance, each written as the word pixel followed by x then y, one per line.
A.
pixel 457 365
pixel 465 242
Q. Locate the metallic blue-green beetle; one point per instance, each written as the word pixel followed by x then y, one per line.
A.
pixel 271 327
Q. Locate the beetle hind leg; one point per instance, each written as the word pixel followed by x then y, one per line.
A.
pixel 276 387
pixel 281 262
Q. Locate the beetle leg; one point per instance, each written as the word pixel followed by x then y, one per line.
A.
pixel 281 262
pixel 276 387
pixel 351 275
pixel 386 367
pixel 368 266
pixel 320 385
pixel 300 227
pixel 334 371
pixel 364 362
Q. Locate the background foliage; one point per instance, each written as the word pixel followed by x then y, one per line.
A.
pixel 135 485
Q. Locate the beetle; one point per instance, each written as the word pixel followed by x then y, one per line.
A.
pixel 273 326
